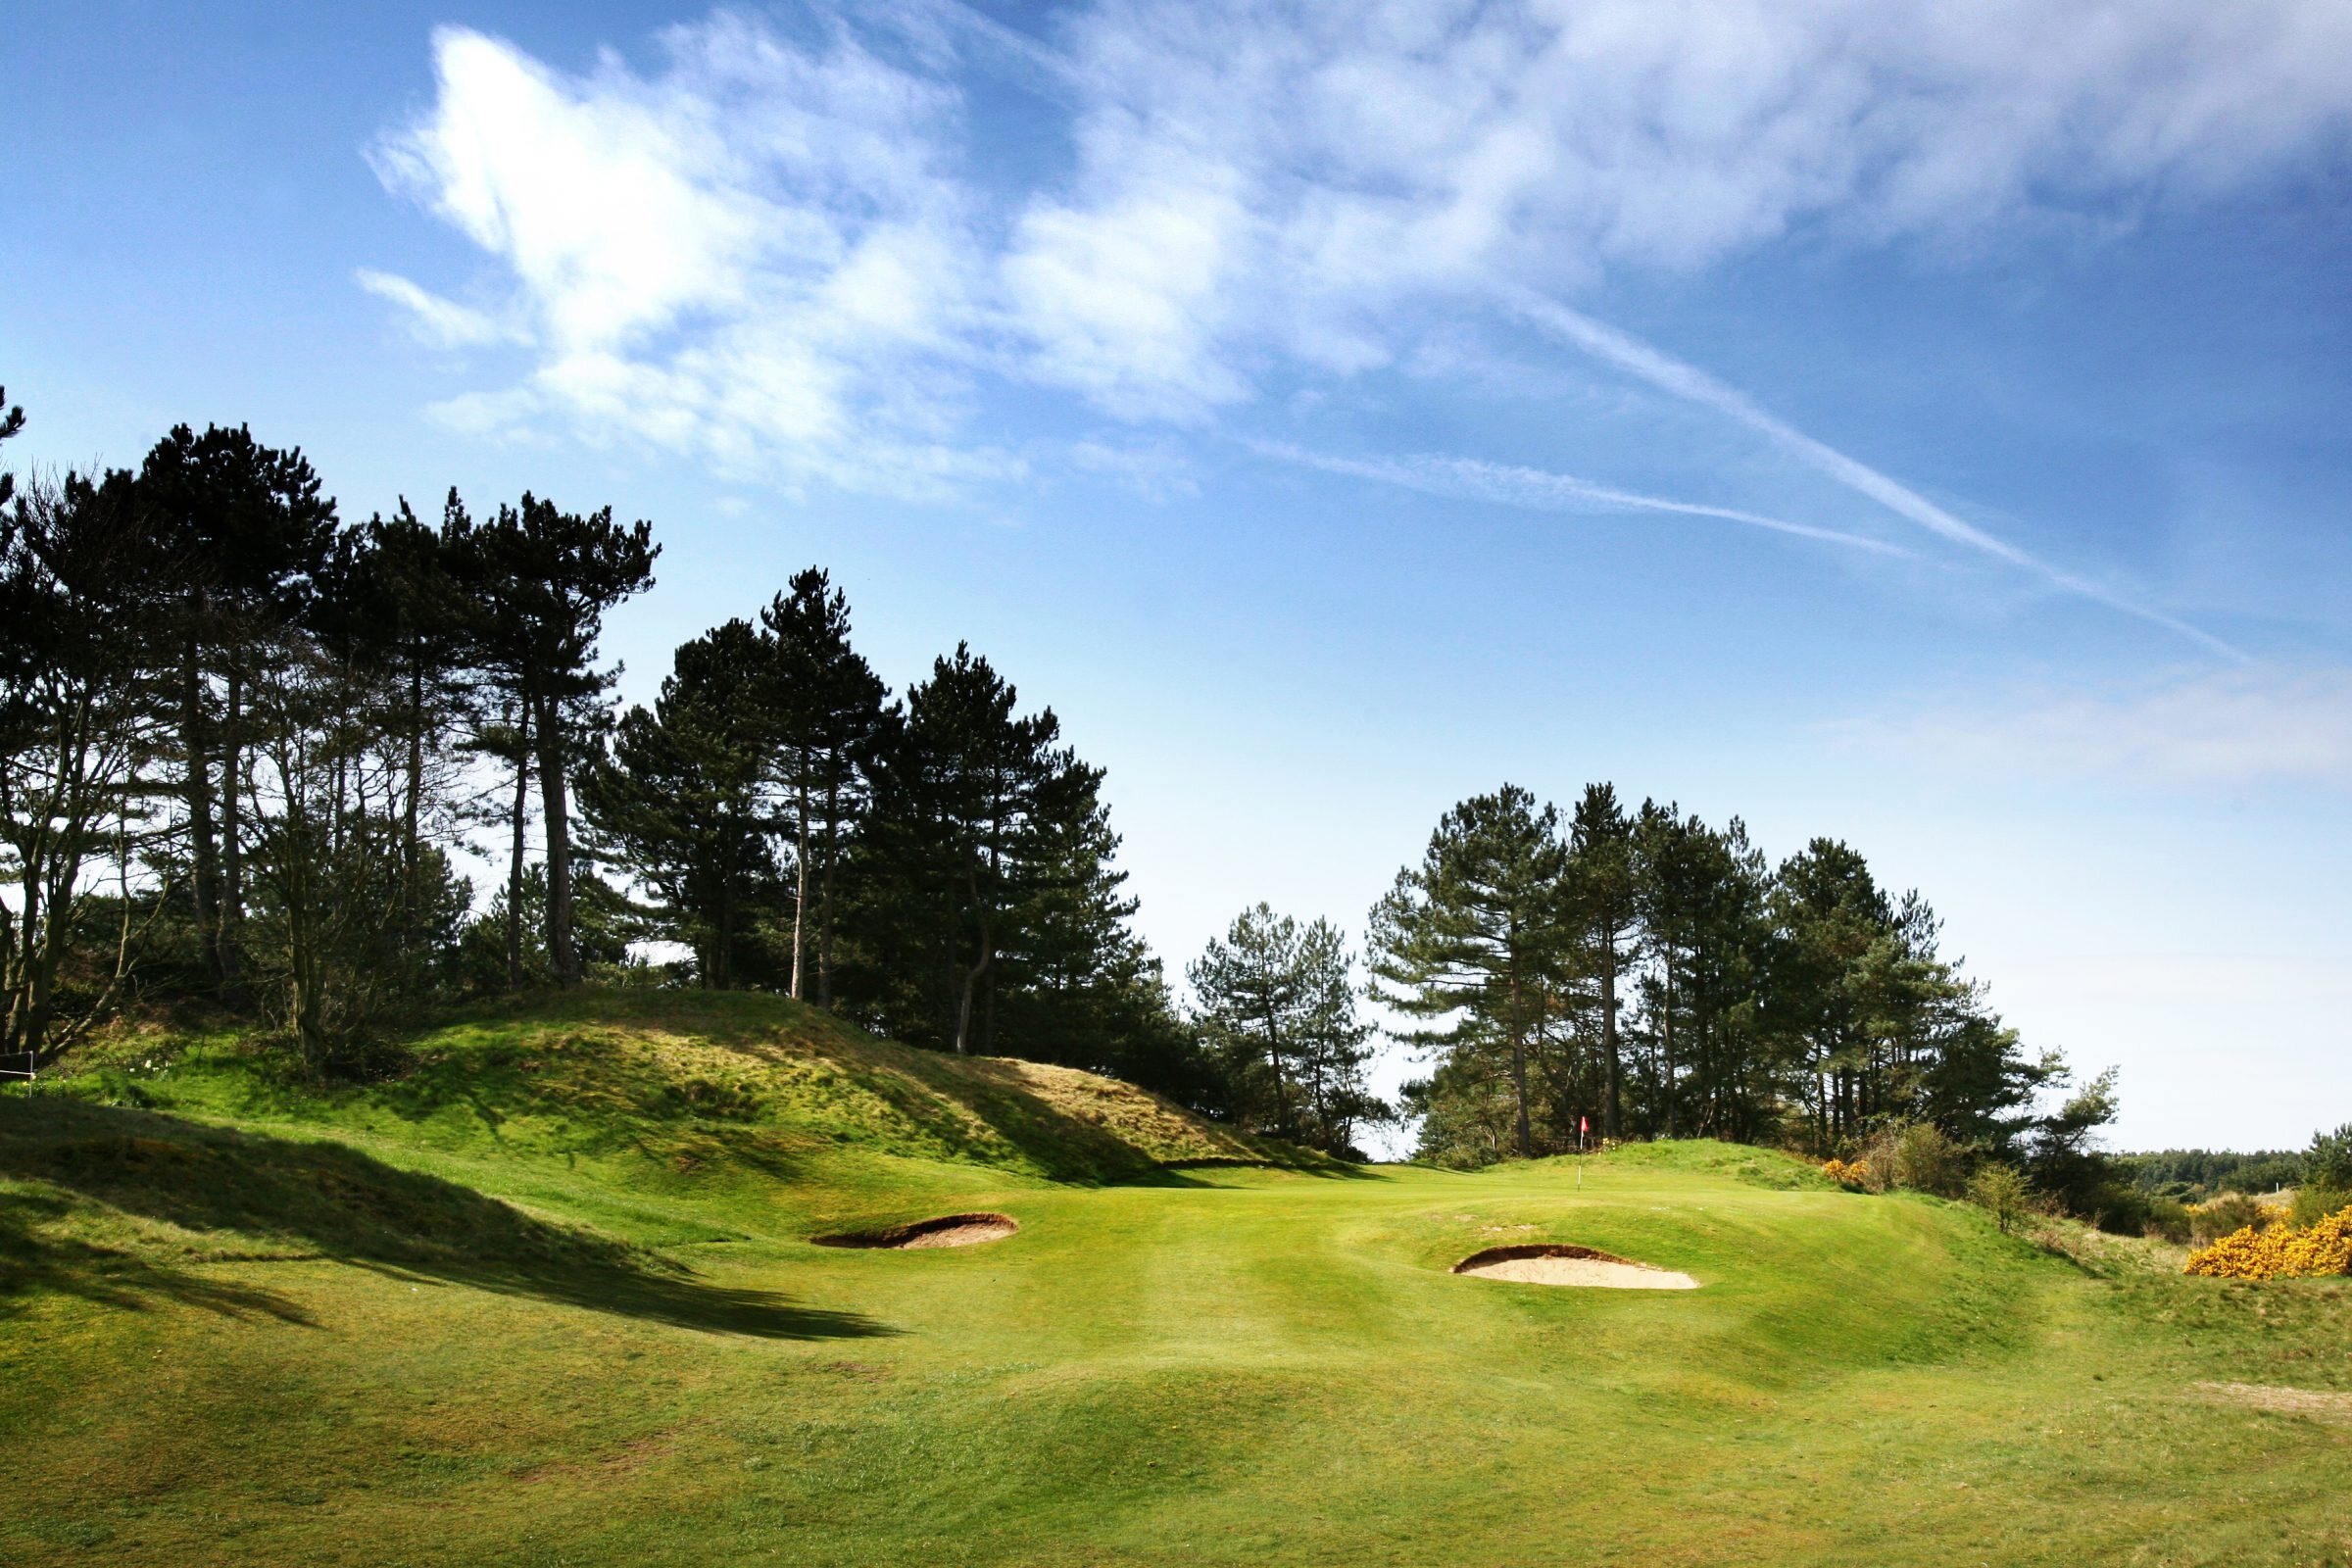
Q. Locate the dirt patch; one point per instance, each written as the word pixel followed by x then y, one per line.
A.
pixel 944 1230
pixel 1563 1264
pixel 623 1462
pixel 2284 1400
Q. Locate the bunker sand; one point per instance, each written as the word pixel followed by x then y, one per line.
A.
pixel 1562 1263
pixel 943 1230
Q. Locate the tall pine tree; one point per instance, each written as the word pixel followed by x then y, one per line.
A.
pixel 539 583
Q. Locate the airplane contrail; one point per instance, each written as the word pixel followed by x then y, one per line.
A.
pixel 1540 490
pixel 1669 374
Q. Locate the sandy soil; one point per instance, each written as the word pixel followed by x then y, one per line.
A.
pixel 947 1230
pixel 1590 1271
pixel 986 1230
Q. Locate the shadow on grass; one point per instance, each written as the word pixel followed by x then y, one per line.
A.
pixel 971 1108
pixel 31 1261
pixel 286 1198
pixel 571 1074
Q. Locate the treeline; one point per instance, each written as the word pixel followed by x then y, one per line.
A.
pixel 1641 973
pixel 242 742
pixel 2195 1175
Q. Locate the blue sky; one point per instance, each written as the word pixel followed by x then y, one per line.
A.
pixel 1923 429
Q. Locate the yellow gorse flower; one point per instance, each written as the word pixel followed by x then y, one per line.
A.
pixel 1856 1174
pixel 2279 1252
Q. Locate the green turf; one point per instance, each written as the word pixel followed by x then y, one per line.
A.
pixel 548 1299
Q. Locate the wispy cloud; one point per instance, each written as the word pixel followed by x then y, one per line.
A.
pixel 2246 728
pixel 757 257
pixel 1324 168
pixel 1539 490
pixel 1662 370
pixel 793 253
pixel 440 323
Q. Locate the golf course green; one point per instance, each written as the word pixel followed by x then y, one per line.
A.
pixel 548 1295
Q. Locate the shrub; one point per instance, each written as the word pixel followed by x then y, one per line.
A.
pixel 1926 1160
pixel 2168 1219
pixel 2315 1203
pixel 2282 1251
pixel 2209 1221
pixel 2118 1208
pixel 2002 1192
pixel 1854 1176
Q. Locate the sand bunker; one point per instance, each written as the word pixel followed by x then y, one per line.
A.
pixel 946 1230
pixel 1560 1263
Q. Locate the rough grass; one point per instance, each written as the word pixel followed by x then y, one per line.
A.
pixel 693 1076
pixel 549 1298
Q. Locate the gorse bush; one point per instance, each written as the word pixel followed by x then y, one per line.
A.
pixel 1853 1175
pixel 2281 1252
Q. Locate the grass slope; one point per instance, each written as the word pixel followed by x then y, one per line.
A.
pixel 549 1298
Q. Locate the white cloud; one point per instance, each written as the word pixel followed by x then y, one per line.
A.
pixel 2247 728
pixel 755 257
pixel 1345 157
pixel 795 255
pixel 443 324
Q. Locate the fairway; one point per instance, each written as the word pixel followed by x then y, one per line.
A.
pixel 255 1325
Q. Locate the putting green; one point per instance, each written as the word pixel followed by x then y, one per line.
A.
pixel 577 1319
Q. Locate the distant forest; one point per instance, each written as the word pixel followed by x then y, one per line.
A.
pixel 243 738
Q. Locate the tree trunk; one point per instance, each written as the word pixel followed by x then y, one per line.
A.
pixel 1282 1088
pixel 204 844
pixel 412 851
pixel 522 787
pixel 1666 1045
pixel 799 889
pixel 824 896
pixel 1612 1110
pixel 1527 1139
pixel 971 976
pixel 554 806
pixel 719 969
pixel 232 832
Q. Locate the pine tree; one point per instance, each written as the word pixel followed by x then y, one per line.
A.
pixel 12 424
pixel 958 832
pixel 1828 914
pixel 406 622
pixel 1605 914
pixel 681 798
pixel 539 581
pixel 827 708
pixel 79 739
pixel 1474 935
pixel 1277 1007
pixel 247 532
pixel 982 836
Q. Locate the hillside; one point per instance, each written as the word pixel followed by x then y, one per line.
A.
pixel 549 1296
pixel 686 1078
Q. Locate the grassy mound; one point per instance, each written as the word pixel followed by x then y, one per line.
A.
pixel 736 1082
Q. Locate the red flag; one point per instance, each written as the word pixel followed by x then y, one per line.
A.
pixel 1584 1125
